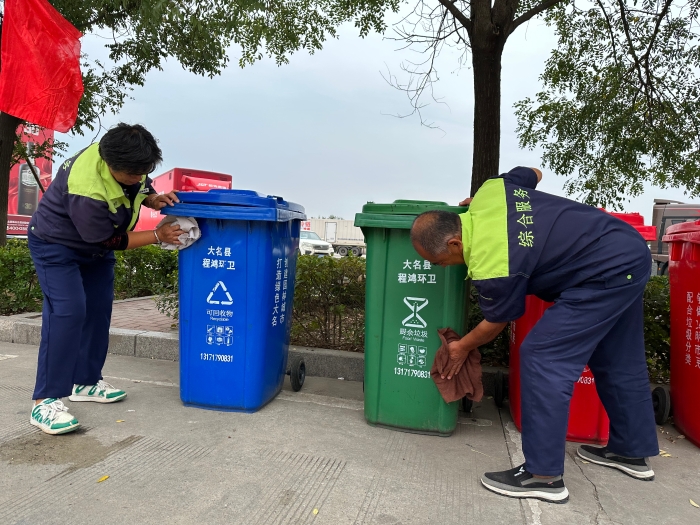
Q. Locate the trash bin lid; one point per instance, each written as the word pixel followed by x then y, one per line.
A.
pixel 235 205
pixel 683 232
pixel 400 213
pixel 636 220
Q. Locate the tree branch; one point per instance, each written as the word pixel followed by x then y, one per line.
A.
pixel 610 29
pixel 633 52
pixel 454 11
pixel 531 13
pixel 659 19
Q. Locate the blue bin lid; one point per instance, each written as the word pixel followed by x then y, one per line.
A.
pixel 235 205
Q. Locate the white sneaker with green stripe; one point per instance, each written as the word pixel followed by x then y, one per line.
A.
pixel 52 417
pixel 102 392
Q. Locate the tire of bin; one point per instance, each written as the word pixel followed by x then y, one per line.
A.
pixel 297 373
pixel 467 405
pixel 661 398
pixel 342 251
pixel 499 389
pixel 663 270
pixel 356 252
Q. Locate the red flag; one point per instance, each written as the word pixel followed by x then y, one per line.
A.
pixel 40 79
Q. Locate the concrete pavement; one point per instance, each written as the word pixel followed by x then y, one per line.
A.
pixel 307 457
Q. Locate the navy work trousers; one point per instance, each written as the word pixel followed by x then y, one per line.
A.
pixel 78 294
pixel 604 328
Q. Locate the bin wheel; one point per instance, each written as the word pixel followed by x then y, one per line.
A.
pixel 297 373
pixel 663 270
pixel 499 393
pixel 356 252
pixel 661 398
pixel 467 405
pixel 342 251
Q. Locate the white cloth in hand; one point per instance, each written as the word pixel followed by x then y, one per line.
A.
pixel 188 225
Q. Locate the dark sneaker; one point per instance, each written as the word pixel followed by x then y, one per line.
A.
pixel 519 483
pixel 636 467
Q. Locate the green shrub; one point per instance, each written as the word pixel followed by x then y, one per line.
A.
pixel 19 286
pixel 329 303
pixel 137 273
pixel 167 291
pixel 657 327
pixel 143 271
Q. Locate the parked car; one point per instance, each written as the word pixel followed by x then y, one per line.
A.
pixel 311 244
pixel 343 235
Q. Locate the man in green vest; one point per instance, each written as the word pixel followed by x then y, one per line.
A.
pixel 518 241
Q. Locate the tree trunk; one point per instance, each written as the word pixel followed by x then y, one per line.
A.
pixel 8 134
pixel 487 113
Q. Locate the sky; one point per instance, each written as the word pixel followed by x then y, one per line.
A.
pixel 322 131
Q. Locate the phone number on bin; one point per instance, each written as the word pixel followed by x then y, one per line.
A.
pixel 424 374
pixel 223 358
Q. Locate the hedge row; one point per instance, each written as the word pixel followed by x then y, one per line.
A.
pixel 329 304
pixel 137 273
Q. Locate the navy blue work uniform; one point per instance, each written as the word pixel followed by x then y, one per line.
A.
pixel 81 219
pixel 594 267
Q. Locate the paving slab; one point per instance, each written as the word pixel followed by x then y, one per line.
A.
pixel 307 457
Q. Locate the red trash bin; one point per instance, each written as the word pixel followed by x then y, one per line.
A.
pixel 684 277
pixel 588 421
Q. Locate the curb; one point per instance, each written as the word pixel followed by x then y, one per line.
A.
pixel 320 362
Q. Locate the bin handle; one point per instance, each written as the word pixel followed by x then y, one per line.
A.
pixel 278 199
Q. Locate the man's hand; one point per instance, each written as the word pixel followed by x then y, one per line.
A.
pixel 483 333
pixel 466 202
pixel 158 202
pixel 458 355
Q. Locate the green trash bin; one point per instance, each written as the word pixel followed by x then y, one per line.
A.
pixel 408 300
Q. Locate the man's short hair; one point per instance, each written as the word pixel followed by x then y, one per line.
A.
pixel 130 149
pixel 432 229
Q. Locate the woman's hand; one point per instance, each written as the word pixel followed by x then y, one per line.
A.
pixel 466 202
pixel 158 202
pixel 169 233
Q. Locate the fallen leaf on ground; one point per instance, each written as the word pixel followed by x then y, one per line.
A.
pixel 681 436
pixel 584 462
pixel 662 451
pixel 316 510
pixel 694 504
pixel 120 421
pixel 102 479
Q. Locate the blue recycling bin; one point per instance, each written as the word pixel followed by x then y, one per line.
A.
pixel 236 296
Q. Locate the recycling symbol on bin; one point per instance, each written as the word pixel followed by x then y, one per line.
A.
pixel 415 304
pixel 220 296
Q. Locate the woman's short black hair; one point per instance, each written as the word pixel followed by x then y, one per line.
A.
pixel 130 149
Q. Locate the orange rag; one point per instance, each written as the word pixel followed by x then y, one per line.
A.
pixel 465 383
